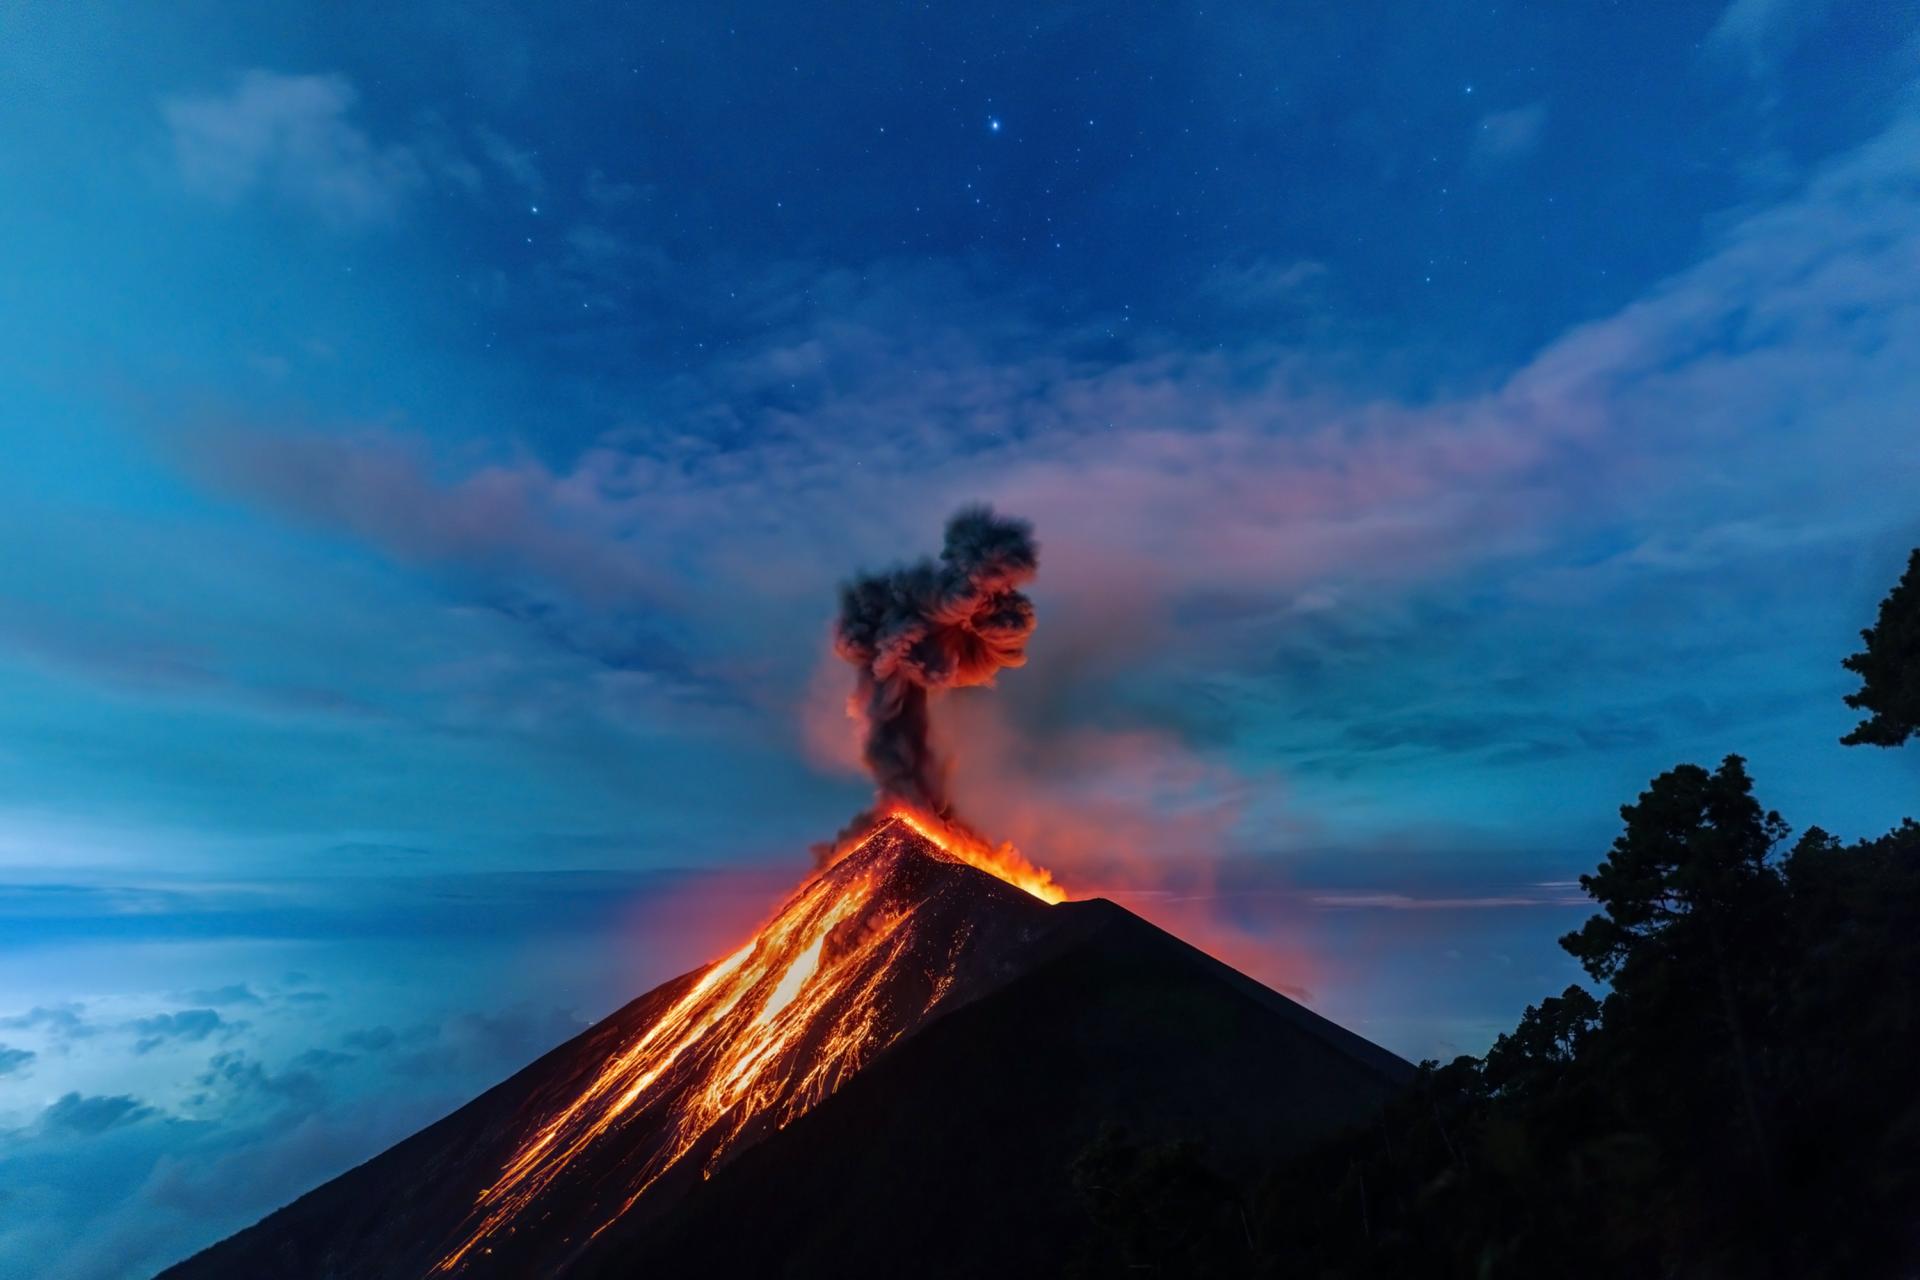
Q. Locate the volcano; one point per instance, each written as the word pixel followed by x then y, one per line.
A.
pixel 893 1076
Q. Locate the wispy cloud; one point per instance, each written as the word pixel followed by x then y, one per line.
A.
pixel 63 1021
pixel 1233 495
pixel 1758 33
pixel 519 164
pixel 1171 474
pixel 516 520
pixel 232 993
pixel 1414 902
pixel 1508 135
pixel 92 1115
pixel 186 1026
pixel 292 137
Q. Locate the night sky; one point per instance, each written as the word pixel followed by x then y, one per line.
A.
pixel 433 435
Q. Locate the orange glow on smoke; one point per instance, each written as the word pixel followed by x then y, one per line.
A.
pixel 758 1039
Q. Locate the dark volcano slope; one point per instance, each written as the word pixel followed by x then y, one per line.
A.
pixel 391 1216
pixel 952 1154
pixel 948 1153
pixel 961 932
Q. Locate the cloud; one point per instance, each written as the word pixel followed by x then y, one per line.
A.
pixel 1123 456
pixel 237 1079
pixel 1739 343
pixel 233 993
pixel 291 137
pixel 1533 734
pixel 520 165
pixel 1758 34
pixel 62 1021
pixel 1265 284
pixel 1293 482
pixel 109 1181
pixel 1414 902
pixel 370 1039
pixel 1508 135
pixel 260 1170
pixel 487 1039
pixel 13 1061
pixel 187 1026
pixel 93 1114
pixel 513 520
pixel 1211 492
pixel 1207 493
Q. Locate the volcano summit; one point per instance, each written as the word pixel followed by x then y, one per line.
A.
pixel 897 1071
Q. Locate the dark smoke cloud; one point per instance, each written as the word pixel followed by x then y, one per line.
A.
pixel 934 625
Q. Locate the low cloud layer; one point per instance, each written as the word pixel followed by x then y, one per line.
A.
pixel 208 1124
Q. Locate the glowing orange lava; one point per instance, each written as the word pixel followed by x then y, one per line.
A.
pixel 761 1036
pixel 1002 860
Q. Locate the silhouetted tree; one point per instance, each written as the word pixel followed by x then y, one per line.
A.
pixel 1849 1014
pixel 1889 668
pixel 1688 893
pixel 1692 859
pixel 1741 1103
pixel 1157 1209
pixel 1547 1042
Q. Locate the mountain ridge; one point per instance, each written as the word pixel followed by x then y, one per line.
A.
pixel 1066 1000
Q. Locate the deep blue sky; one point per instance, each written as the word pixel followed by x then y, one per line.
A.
pixel 433 434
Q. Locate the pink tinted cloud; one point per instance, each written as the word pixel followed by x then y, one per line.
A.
pixel 515 517
pixel 1234 479
pixel 1169 470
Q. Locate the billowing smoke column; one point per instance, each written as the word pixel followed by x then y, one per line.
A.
pixel 930 626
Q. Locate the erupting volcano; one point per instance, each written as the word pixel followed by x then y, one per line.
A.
pixel 893 1074
pixel 868 950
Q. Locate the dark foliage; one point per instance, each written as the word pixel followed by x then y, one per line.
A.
pixel 1159 1209
pixel 1742 1102
pixel 1889 668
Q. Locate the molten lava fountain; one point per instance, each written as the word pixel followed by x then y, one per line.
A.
pixel 871 948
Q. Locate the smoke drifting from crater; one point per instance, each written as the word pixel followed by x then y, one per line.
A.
pixel 929 626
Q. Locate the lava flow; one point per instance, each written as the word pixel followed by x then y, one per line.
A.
pixel 861 954
pixel 1002 860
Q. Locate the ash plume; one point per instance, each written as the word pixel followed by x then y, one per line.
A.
pixel 929 626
